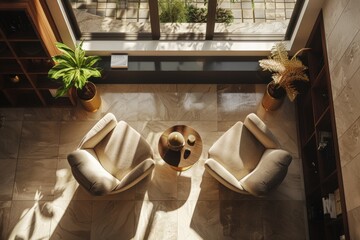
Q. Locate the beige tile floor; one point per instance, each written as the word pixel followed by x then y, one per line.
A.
pixel 39 198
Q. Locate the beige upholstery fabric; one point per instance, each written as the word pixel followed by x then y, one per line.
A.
pixel 111 158
pixel 239 157
pixel 246 158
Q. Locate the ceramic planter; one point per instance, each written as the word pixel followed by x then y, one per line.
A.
pixel 90 99
pixel 273 98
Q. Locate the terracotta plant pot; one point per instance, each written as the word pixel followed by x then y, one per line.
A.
pixel 89 97
pixel 273 97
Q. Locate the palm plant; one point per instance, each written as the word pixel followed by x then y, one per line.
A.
pixel 74 69
pixel 286 72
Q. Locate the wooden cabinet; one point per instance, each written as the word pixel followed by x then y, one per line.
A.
pixel 318 141
pixel 26 46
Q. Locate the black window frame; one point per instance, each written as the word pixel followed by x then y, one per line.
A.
pixel 155 33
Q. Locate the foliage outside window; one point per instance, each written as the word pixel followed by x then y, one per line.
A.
pixel 180 11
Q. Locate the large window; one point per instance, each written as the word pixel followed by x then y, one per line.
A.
pixel 183 19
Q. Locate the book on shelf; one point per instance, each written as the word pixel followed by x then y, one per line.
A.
pixel 325 139
pixel 329 205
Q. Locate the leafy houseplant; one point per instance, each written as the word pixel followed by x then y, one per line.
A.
pixel 74 69
pixel 287 72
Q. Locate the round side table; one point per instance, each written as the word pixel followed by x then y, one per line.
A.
pixel 186 157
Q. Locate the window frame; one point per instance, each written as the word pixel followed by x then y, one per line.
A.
pixel 235 46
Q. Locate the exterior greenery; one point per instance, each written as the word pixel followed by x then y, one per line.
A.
pixel 180 12
pixel 73 68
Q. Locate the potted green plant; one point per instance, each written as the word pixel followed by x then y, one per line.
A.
pixel 73 68
pixel 286 73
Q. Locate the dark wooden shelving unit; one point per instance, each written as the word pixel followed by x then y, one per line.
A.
pixel 26 46
pixel 321 164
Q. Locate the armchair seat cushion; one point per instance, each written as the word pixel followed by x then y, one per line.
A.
pixel 90 174
pixel 237 156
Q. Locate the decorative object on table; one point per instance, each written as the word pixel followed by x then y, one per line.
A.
pixel 74 69
pixel 176 141
pixel 287 74
pixel 191 139
pixel 186 155
pixel 111 157
pixel 247 158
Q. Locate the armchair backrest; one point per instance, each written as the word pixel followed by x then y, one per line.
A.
pixel 258 128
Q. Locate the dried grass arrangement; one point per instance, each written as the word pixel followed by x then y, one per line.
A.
pixel 285 71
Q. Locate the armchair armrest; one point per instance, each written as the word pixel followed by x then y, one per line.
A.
pixel 99 131
pixel 269 173
pixel 258 128
pixel 222 175
pixel 88 171
pixel 136 175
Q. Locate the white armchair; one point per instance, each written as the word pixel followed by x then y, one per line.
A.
pixel 247 158
pixel 111 158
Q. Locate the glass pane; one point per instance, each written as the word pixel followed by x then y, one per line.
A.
pixel 113 16
pixel 185 18
pixel 254 18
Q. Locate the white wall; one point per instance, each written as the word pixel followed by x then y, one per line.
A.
pixel 342 28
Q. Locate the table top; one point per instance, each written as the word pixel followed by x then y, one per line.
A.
pixel 186 157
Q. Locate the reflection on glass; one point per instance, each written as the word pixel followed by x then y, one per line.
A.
pixel 124 16
pixel 184 17
pixel 250 18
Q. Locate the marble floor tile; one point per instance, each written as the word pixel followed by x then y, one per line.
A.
pixel 71 220
pixel 204 88
pixel 351 181
pixel 156 220
pixel 71 133
pixel 123 105
pixel 35 175
pixel 46 202
pixel 66 187
pixel 197 106
pixel 161 186
pixel 39 139
pixel 10 133
pixel 289 221
pixel 29 220
pixel 201 220
pixel 14 114
pixel 235 106
pixel 7 173
pixel 42 114
pixel 113 220
pixel 5 207
pixel 354 218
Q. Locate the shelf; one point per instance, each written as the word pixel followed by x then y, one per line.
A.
pixel 37 66
pixel 16 81
pixel 23 97
pixel 31 50
pixel 43 82
pixel 5 51
pixel 16 25
pixel 310 165
pixel 306 119
pixel 317 131
pixel 52 101
pixel 10 66
pixel 27 42
pixel 320 95
pixel 4 102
